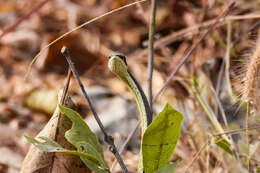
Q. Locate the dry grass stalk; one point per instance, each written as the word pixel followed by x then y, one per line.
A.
pixel 252 84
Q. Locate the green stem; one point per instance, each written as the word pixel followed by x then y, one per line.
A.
pixel 208 111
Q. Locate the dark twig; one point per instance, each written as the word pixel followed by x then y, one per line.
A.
pixel 20 20
pixel 193 47
pixel 151 52
pixel 109 139
pixel 121 149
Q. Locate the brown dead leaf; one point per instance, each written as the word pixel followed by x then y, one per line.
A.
pixel 37 161
pixel 83 47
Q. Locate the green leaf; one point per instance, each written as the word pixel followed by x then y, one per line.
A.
pixel 195 83
pixel 84 140
pixel 160 139
pixel 51 146
pixel 169 168
pixel 224 144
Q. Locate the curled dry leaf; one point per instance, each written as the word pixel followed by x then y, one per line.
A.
pixel 37 161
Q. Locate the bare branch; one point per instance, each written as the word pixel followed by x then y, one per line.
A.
pixel 109 139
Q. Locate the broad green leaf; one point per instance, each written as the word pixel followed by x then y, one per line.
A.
pixel 85 140
pixel 224 144
pixel 169 168
pixel 160 139
pixel 51 146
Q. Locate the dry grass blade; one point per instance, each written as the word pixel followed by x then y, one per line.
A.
pixel 237 131
pixel 78 27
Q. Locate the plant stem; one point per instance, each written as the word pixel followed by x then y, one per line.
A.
pixel 121 149
pixel 151 52
pixel 109 139
pixel 208 111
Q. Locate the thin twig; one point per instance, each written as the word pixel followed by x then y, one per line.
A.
pixel 208 110
pixel 196 156
pixel 121 149
pixel 151 53
pixel 220 107
pixel 109 139
pixel 78 27
pixel 208 142
pixel 237 130
pixel 234 148
pixel 23 18
pixel 193 47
